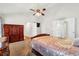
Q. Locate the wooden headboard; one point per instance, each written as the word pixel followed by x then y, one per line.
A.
pixel 39 35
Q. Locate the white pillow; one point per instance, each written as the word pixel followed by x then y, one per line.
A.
pixel 76 42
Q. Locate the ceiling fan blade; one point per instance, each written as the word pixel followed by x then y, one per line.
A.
pixel 43 14
pixel 43 9
pixel 34 13
pixel 32 9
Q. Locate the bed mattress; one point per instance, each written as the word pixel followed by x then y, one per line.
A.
pixel 47 46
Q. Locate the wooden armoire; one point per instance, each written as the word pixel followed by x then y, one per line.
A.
pixel 14 32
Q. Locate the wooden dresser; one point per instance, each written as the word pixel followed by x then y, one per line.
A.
pixel 14 32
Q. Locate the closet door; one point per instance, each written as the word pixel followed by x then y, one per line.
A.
pixel 59 28
pixel 65 27
pixel 71 28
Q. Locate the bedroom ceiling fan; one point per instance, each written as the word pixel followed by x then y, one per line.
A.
pixel 38 12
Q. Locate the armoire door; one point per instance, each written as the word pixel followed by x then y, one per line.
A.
pixel 14 33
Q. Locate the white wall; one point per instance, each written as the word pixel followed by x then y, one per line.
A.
pixel 53 12
pixel 61 11
pixel 21 19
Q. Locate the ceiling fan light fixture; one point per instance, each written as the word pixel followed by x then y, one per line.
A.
pixel 38 14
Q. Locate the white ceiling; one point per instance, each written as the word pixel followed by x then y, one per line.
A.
pixel 7 8
pixel 10 8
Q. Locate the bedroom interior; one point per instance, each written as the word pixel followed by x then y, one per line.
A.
pixel 39 29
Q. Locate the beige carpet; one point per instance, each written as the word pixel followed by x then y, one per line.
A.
pixel 15 48
pixel 20 49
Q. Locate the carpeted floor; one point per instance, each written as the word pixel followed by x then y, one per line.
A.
pixel 33 54
pixel 17 49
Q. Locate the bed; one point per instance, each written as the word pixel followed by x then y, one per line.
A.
pixel 48 45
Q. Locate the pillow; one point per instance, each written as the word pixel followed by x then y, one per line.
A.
pixel 76 42
pixel 39 35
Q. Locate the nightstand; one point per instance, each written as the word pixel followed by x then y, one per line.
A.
pixel 4 47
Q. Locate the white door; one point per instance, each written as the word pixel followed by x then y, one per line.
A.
pixel 71 27
pixel 34 29
pixel 64 27
pixel 0 28
pixel 30 29
pixel 59 28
